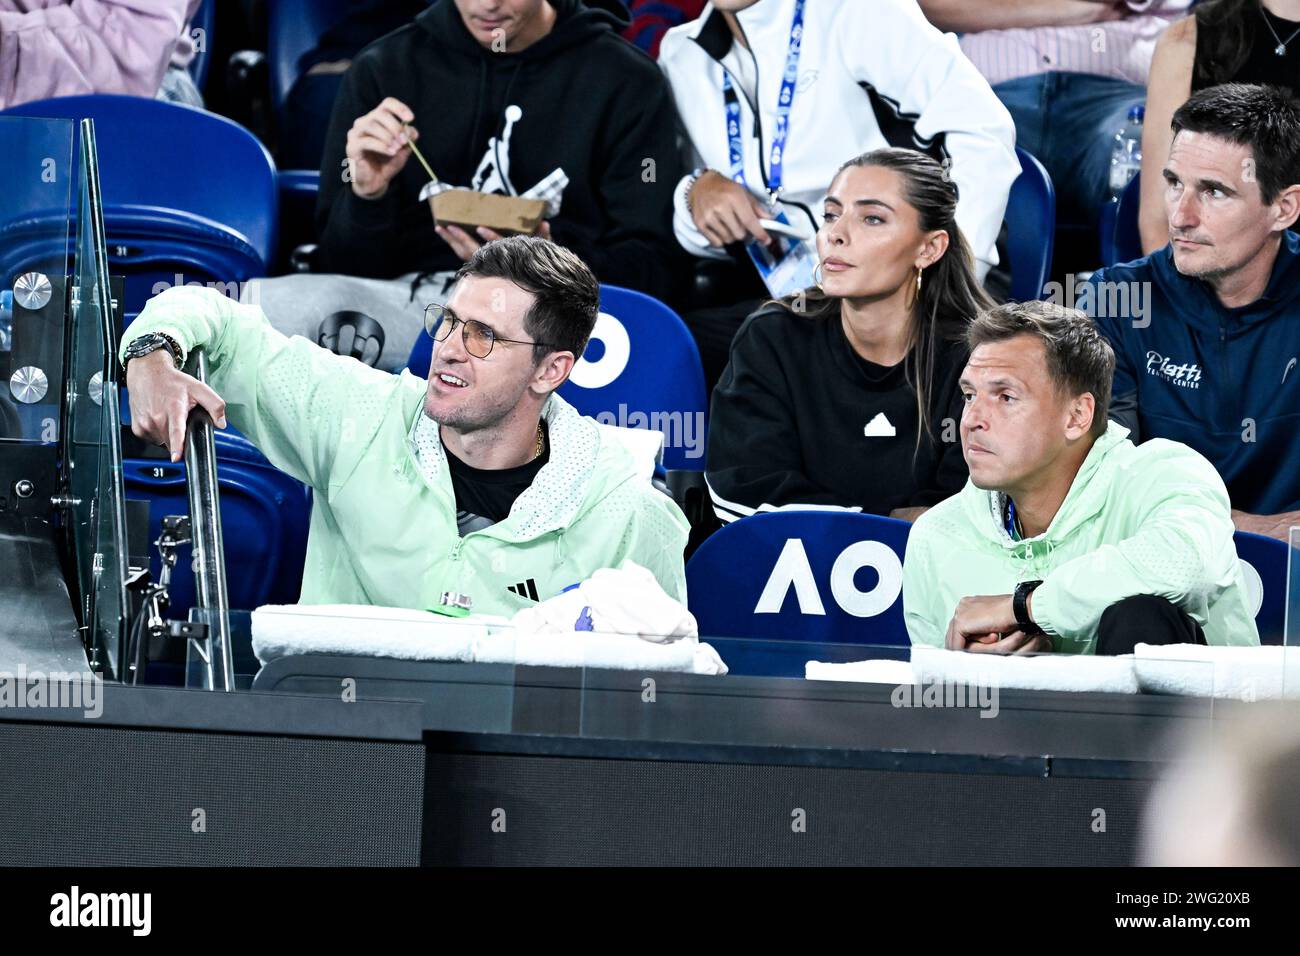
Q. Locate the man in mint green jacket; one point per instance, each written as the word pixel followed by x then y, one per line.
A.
pixel 1068 537
pixel 480 481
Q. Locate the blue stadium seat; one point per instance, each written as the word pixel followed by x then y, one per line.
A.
pixel 1120 239
pixel 641 369
pixel 293 29
pixel 298 189
pixel 231 444
pixel 185 191
pixel 822 577
pixel 264 516
pixel 204 20
pixel 1264 562
pixel 1031 228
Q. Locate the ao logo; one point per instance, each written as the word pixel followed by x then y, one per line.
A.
pixel 792 569
pixel 604 370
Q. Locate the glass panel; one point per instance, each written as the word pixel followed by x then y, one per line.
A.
pixel 35 212
pixel 462 669
pixel 480 675
pixel 94 454
pixel 1291 628
pixel 889 699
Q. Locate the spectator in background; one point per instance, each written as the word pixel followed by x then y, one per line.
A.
pixel 500 95
pixel 54 48
pixel 311 99
pixel 847 395
pixel 177 83
pixel 868 75
pixel 1224 41
pixel 651 19
pixel 1069 71
pixel 1207 330
pixel 1068 537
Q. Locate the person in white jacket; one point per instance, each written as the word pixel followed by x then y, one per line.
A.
pixel 864 74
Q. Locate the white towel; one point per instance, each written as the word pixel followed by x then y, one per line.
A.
pixel 1057 672
pixel 367 631
pixel 1230 673
pixel 284 630
pixel 608 651
pixel 867 672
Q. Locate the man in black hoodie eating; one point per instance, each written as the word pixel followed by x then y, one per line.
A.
pixel 498 95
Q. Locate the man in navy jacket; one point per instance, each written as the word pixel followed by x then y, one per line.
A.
pixel 1206 331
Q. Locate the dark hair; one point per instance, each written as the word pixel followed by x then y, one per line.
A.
pixel 951 295
pixel 1226 31
pixel 1264 118
pixel 566 296
pixel 1079 359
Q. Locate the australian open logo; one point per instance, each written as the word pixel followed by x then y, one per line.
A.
pixel 1184 376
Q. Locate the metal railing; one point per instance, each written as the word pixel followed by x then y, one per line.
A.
pixel 211 599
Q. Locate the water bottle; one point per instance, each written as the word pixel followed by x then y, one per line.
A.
pixel 1126 153
pixel 6 320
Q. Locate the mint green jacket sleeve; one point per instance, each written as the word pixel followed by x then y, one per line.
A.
pixel 920 597
pixel 664 548
pixel 1182 550
pixel 296 401
pixel 654 536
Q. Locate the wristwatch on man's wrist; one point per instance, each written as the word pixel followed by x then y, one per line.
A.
pixel 152 342
pixel 1020 606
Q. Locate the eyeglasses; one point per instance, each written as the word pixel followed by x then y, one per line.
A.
pixel 440 322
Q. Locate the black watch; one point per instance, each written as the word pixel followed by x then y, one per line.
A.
pixel 142 346
pixel 1020 606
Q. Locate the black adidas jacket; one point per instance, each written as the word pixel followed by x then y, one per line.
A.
pixel 589 102
pixel 800 418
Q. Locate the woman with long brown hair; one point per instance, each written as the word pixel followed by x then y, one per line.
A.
pixel 846 394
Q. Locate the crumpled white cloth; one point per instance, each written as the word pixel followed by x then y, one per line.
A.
pixel 635 626
pixel 1229 673
pixel 623 600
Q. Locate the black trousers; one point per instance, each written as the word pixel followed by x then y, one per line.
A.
pixel 1145 619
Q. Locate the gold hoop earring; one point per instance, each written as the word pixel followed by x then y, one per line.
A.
pixel 916 296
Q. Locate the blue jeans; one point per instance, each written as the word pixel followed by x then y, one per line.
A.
pixel 1069 121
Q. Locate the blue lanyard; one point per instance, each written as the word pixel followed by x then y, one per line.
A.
pixel 735 150
pixel 1011 520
